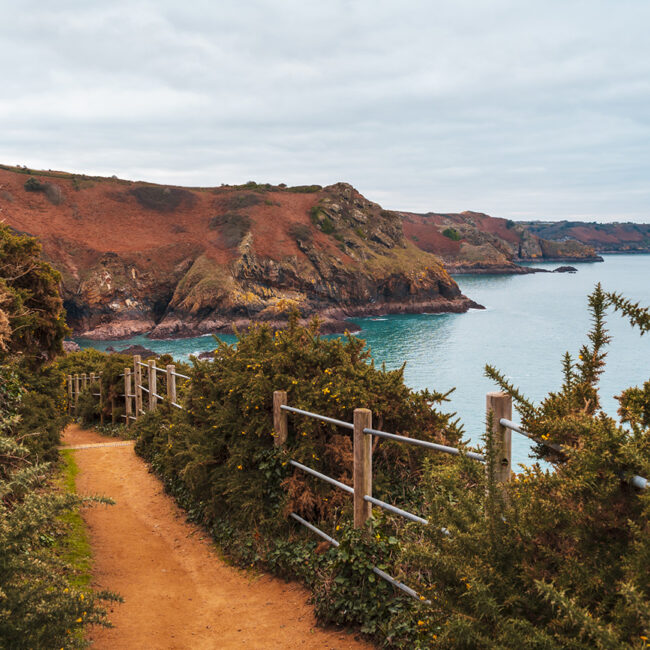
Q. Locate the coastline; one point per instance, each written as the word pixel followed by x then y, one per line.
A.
pixel 333 321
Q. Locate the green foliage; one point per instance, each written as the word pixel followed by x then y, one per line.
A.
pixel 327 225
pixel 555 558
pixel 552 559
pixel 452 234
pixel 304 189
pixel 32 320
pixel 349 574
pixel 33 185
pixel 41 605
pixel 219 459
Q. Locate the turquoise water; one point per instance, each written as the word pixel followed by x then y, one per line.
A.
pixel 528 324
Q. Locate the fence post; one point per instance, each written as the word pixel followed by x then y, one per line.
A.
pixel 137 376
pixel 171 382
pixel 84 383
pixel 280 424
pixel 362 466
pixel 500 405
pixel 76 393
pixel 70 394
pixel 153 400
pixel 112 410
pixel 91 382
pixel 101 400
pixel 127 395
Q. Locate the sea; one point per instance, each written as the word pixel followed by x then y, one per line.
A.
pixel 528 323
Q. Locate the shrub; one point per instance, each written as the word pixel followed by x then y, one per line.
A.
pixel 162 199
pixel 327 225
pixel 34 185
pixel 241 201
pixel 305 189
pixel 553 559
pixel 452 234
pixel 232 227
pixel 559 562
pixel 30 303
pixel 301 232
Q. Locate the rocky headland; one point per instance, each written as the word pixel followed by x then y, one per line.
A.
pixel 610 238
pixel 174 261
pixel 473 242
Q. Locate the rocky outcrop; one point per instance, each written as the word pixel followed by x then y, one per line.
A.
pixel 603 237
pixel 352 258
pixel 169 261
pixel 473 242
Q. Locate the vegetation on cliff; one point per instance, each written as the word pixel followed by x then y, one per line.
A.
pixel 603 237
pixel 475 242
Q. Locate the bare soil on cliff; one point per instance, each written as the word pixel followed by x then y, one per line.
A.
pixel 178 592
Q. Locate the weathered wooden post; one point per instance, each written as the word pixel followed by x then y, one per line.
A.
pixel 112 410
pixel 362 466
pixel 127 395
pixel 101 400
pixel 70 393
pixel 137 374
pixel 91 383
pixel 84 382
pixel 500 405
pixel 153 400
pixel 171 382
pixel 280 423
pixel 76 393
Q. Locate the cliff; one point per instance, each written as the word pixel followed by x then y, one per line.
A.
pixel 137 257
pixel 473 242
pixel 603 237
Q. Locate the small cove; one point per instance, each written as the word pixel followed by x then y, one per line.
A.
pixel 528 324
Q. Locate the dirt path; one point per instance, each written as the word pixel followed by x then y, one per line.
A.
pixel 178 593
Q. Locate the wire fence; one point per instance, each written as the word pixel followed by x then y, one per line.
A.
pixel 498 409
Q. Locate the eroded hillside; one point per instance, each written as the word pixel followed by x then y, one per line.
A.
pixel 473 242
pixel 137 257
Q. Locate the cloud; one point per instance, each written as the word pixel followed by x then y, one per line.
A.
pixel 517 109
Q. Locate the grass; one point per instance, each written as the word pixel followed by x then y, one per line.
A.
pixel 75 546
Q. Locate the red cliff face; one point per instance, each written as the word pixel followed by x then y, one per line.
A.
pixel 603 237
pixel 137 257
pixel 472 242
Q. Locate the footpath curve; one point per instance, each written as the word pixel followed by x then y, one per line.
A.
pixel 178 592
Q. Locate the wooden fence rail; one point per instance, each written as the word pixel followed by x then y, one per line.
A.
pixel 498 462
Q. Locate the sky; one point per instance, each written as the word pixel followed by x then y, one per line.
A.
pixel 524 109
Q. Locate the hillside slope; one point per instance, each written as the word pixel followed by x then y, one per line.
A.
pixel 137 257
pixel 473 242
pixel 603 237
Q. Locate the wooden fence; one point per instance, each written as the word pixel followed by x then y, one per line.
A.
pixel 497 460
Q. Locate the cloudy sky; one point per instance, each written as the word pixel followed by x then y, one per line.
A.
pixel 517 108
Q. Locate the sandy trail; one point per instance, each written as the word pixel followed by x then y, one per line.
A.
pixel 178 593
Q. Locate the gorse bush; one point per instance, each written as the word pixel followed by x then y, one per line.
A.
pixel 222 446
pixel 555 558
pixel 565 562
pixel 40 606
pixel 452 233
